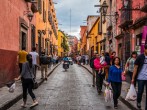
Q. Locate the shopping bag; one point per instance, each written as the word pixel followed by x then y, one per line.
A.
pixel 12 88
pixel 123 77
pixel 108 95
pixel 131 95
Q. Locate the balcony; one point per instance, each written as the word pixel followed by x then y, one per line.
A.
pixel 144 7
pixel 28 0
pixel 139 22
pixel 125 19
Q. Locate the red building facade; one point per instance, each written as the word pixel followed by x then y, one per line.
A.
pixel 16 32
pixel 131 27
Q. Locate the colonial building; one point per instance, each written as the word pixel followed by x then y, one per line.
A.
pixel 17 30
pixel 46 28
pixel 83 33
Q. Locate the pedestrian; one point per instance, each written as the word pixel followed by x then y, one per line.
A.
pixel 35 57
pixel 87 59
pixel 44 65
pixel 92 67
pixel 27 76
pixel 99 76
pixel 83 59
pixel 115 79
pixel 50 61
pixel 129 67
pixel 107 59
pixel 113 55
pixel 140 71
pixel 22 58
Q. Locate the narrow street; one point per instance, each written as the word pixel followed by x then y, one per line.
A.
pixel 71 90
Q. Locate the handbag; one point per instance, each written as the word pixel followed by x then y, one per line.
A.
pixel 35 83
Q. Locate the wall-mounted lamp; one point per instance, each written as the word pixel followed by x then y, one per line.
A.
pixel 29 15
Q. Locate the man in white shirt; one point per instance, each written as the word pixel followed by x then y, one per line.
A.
pixel 35 57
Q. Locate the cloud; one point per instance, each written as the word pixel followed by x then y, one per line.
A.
pixel 80 9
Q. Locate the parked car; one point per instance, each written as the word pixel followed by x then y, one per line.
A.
pixel 70 60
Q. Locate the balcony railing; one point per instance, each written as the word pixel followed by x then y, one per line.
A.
pixel 125 19
pixel 125 16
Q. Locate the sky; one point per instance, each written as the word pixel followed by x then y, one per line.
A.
pixel 80 9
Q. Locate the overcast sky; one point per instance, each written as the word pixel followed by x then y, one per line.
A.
pixel 80 9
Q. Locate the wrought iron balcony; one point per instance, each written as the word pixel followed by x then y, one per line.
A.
pixel 125 19
pixel 144 7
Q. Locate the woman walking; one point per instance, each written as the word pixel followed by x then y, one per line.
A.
pixel 129 67
pixel 27 76
pixel 99 76
pixel 115 79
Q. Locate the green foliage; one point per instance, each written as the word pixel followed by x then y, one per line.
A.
pixel 64 45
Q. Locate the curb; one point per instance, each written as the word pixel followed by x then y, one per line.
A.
pixel 17 98
pixel 129 105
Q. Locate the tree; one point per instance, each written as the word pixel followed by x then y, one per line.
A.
pixel 64 45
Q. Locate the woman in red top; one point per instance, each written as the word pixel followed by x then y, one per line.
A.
pixel 99 77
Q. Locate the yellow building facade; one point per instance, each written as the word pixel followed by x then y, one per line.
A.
pixel 60 40
pixel 46 28
pixel 95 37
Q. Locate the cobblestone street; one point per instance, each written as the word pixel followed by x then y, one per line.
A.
pixel 69 90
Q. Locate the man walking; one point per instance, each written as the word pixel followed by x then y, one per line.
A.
pixel 92 66
pixel 44 65
pixel 35 58
pixel 140 71
pixel 22 58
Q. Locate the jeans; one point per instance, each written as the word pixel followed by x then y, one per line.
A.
pixel 93 71
pixel 131 75
pixel 27 85
pixel 116 86
pixel 20 67
pixel 141 84
pixel 99 81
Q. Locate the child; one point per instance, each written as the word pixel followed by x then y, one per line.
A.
pixel 102 62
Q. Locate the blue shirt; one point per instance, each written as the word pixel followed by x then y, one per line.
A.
pixel 65 59
pixel 114 74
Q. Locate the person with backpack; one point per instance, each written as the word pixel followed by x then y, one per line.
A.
pixel 44 65
pixel 92 66
pixel 140 71
pixel 129 67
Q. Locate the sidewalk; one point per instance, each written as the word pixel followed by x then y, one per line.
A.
pixel 8 99
pixel 125 87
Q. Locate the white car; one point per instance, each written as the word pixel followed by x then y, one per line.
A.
pixel 70 60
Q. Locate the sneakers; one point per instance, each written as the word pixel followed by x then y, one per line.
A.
pixel 139 105
pixel 34 104
pixel 23 105
pixel 115 107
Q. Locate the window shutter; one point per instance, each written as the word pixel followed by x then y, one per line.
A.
pixel 40 6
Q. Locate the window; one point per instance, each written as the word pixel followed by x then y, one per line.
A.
pixel 44 12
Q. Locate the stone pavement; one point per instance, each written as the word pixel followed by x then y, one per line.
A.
pixel 125 87
pixel 8 99
pixel 71 90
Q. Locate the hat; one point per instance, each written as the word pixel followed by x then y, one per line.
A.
pixel 145 46
pixel 95 52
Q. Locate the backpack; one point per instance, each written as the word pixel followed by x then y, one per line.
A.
pixel 44 60
pixel 92 62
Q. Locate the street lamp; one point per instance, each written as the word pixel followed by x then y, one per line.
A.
pixel 104 8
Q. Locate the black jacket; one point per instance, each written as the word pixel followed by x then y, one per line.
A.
pixel 140 61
